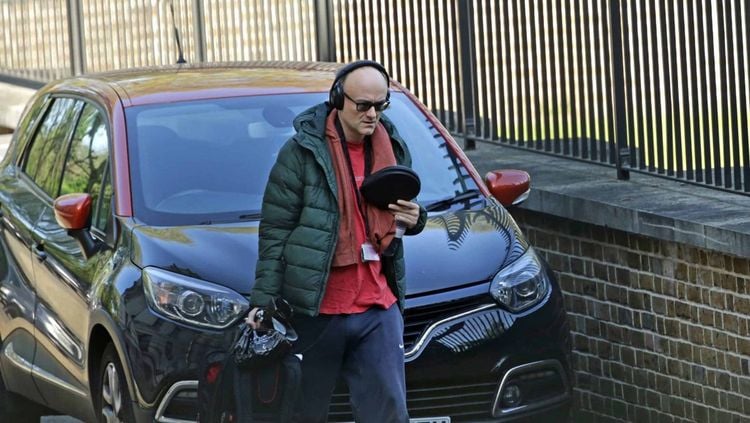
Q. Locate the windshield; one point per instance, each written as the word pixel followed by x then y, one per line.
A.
pixel 208 161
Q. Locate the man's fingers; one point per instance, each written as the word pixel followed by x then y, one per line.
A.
pixel 250 319
pixel 405 211
pixel 409 219
pixel 404 205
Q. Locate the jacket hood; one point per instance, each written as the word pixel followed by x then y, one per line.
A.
pixel 313 120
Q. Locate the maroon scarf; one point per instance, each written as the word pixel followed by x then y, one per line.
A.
pixel 381 223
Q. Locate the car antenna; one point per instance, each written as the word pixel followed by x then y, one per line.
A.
pixel 181 58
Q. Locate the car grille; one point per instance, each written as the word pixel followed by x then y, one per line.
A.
pixel 463 402
pixel 417 319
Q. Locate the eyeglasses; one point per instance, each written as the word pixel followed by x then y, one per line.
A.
pixel 363 106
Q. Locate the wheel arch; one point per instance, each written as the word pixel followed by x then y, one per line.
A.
pixel 105 330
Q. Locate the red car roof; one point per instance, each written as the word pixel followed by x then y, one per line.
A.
pixel 199 81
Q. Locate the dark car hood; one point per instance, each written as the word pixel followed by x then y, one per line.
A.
pixel 224 254
pixel 455 249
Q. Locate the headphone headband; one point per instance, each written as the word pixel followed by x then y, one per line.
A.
pixel 336 94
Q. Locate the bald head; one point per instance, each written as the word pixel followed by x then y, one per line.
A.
pixel 365 76
pixel 362 85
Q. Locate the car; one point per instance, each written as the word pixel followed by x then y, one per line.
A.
pixel 130 206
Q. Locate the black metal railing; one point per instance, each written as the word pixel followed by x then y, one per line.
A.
pixel 654 87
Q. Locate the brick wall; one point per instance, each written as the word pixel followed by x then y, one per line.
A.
pixel 661 330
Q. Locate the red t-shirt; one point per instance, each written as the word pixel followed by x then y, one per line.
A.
pixel 358 287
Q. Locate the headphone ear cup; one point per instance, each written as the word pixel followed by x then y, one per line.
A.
pixel 336 97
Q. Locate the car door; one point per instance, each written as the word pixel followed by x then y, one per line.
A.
pixel 23 183
pixel 64 276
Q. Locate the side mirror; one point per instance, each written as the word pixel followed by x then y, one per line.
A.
pixel 73 212
pixel 510 187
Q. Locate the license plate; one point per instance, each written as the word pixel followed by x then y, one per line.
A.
pixel 428 420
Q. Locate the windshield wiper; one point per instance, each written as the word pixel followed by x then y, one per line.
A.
pixel 242 217
pixel 250 216
pixel 458 198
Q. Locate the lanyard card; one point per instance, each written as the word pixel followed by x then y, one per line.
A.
pixel 369 253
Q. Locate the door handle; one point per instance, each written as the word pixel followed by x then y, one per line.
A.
pixel 39 252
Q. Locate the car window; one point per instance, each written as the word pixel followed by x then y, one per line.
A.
pixel 205 161
pixel 43 162
pixel 86 164
pixel 442 174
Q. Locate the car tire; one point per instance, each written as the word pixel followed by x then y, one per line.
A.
pixel 113 399
pixel 15 408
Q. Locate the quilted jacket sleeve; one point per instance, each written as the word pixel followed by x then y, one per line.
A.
pixel 282 204
pixel 420 223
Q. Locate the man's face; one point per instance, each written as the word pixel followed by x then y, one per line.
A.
pixel 362 85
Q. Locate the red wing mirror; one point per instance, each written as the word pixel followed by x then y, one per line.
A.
pixel 72 211
pixel 510 187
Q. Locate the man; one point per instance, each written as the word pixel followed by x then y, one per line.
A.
pixel 321 248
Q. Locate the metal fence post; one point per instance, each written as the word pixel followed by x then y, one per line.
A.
pixel 324 31
pixel 200 31
pixel 466 31
pixel 618 85
pixel 75 34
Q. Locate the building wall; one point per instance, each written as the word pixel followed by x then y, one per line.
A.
pixel 661 330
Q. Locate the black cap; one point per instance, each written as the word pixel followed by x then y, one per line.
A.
pixel 390 184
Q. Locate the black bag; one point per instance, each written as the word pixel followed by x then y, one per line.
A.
pixel 267 393
pixel 271 341
pixel 241 395
pixel 256 349
pixel 259 378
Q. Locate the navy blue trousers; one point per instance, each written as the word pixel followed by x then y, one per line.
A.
pixel 367 350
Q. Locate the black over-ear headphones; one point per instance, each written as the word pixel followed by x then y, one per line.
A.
pixel 336 95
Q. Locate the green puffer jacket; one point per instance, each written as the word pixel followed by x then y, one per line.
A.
pixel 299 228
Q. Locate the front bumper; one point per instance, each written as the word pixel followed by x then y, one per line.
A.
pixel 480 363
pixel 467 359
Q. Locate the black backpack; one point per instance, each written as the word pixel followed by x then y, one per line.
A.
pixel 259 378
pixel 242 395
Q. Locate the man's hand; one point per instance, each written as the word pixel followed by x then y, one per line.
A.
pixel 250 319
pixel 405 212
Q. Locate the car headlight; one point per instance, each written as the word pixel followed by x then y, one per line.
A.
pixel 191 300
pixel 522 284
